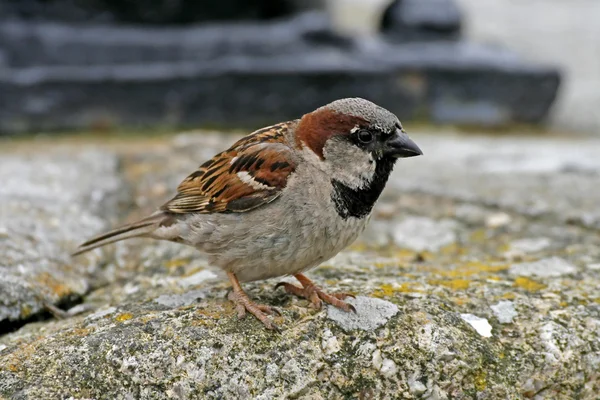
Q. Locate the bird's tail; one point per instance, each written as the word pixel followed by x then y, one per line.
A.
pixel 140 228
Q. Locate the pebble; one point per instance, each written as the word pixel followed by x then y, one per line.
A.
pixel 504 311
pixel 179 300
pixel 329 343
pixel 497 220
pixel 415 386
pixel 481 325
pixel 101 313
pixel 197 278
pixel 547 267
pixel 420 233
pixel 370 314
pixel 530 245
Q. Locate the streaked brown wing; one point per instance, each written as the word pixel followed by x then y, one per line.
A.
pixel 251 173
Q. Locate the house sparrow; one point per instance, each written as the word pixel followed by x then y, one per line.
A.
pixel 283 199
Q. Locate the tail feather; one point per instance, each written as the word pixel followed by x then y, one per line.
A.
pixel 136 229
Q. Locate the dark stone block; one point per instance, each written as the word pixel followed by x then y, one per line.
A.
pixel 157 12
pixel 458 83
pixel 409 20
pixel 29 43
pixel 472 84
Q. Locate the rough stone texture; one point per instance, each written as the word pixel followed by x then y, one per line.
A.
pixel 166 330
pixel 48 203
pixel 408 20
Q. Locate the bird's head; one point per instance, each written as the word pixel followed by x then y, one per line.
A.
pixel 355 139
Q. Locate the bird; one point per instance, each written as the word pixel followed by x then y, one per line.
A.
pixel 282 200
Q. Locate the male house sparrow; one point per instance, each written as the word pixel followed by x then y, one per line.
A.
pixel 283 199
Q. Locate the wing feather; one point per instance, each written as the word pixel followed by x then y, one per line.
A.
pixel 253 172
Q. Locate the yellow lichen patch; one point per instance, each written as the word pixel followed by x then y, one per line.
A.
pixel 451 249
pixel 391 263
pixel 469 269
pixel 147 318
pixel 25 311
pixel 528 284
pixel 176 263
pixel 454 284
pixel 479 236
pixel 193 271
pixel 124 317
pixel 57 287
pixel 358 246
pixel 503 248
pixel 209 313
pixel 509 296
pixel 460 301
pixel 387 290
pixel 405 254
pixel 480 381
pixel 80 332
pixel 202 322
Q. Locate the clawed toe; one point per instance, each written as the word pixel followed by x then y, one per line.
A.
pixel 243 304
pixel 316 295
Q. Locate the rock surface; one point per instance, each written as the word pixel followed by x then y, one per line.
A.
pixel 48 202
pixel 461 320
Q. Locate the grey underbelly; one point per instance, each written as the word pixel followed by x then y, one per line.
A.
pixel 266 243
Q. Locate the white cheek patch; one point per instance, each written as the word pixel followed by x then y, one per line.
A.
pixel 249 180
pixel 350 165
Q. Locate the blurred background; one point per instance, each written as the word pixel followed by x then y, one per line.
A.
pixel 108 64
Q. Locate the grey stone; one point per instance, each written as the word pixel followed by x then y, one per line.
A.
pixel 370 314
pixel 481 325
pixel 553 266
pixel 409 20
pixel 419 233
pixel 530 245
pixel 184 299
pixel 49 203
pixel 504 311
pixel 196 278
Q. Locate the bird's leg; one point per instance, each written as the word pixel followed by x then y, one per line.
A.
pixel 315 294
pixel 243 304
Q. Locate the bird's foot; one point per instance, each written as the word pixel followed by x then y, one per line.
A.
pixel 316 295
pixel 243 304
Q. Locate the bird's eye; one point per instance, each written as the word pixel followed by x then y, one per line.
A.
pixel 365 136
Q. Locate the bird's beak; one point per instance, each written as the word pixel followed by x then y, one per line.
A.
pixel 401 146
